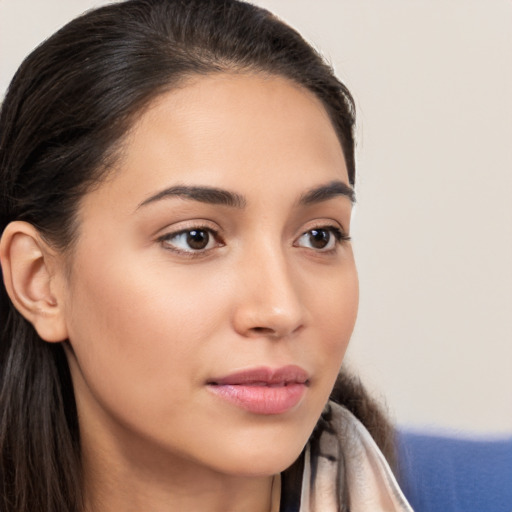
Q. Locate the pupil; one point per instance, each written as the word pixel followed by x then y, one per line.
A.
pixel 319 238
pixel 197 239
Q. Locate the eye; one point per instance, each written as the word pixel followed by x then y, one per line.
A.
pixel 190 240
pixel 321 239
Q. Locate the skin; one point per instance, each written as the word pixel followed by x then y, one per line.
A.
pixel 150 321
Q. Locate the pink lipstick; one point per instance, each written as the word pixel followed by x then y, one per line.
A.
pixel 263 390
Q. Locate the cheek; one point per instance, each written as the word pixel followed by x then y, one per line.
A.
pixel 344 309
pixel 334 301
pixel 334 306
pixel 137 332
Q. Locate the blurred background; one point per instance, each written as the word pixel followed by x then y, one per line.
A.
pixel 433 223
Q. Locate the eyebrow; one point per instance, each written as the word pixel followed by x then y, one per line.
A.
pixel 218 196
pixel 210 195
pixel 328 191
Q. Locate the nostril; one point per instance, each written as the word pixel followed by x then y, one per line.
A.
pixel 263 330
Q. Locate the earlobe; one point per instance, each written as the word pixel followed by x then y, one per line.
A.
pixel 27 262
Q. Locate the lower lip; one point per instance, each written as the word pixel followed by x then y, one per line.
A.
pixel 261 399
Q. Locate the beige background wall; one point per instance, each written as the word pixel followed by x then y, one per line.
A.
pixel 433 228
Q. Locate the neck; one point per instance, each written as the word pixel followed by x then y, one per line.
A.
pixel 231 496
pixel 132 481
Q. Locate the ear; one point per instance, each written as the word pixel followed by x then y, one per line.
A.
pixel 29 266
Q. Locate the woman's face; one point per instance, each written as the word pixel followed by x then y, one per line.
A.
pixel 212 292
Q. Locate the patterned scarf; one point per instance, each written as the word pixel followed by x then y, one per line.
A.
pixel 341 470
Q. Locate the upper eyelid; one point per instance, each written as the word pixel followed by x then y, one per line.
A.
pixel 217 230
pixel 325 224
pixel 184 226
pixel 180 231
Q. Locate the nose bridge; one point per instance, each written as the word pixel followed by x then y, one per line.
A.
pixel 270 301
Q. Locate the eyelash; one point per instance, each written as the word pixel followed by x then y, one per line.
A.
pixel 339 235
pixel 190 253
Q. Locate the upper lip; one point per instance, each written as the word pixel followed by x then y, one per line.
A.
pixel 264 376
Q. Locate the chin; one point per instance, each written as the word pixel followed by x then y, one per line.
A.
pixel 259 467
pixel 263 455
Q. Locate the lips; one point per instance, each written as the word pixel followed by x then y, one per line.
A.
pixel 263 390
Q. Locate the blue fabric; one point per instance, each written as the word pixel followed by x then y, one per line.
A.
pixel 440 474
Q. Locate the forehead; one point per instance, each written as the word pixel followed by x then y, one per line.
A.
pixel 236 131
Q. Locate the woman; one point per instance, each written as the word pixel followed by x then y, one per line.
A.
pixel 179 285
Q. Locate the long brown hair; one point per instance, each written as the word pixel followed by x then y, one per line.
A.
pixel 61 123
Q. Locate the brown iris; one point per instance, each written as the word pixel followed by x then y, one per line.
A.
pixel 198 239
pixel 319 238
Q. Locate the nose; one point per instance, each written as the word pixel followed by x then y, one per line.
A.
pixel 268 301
